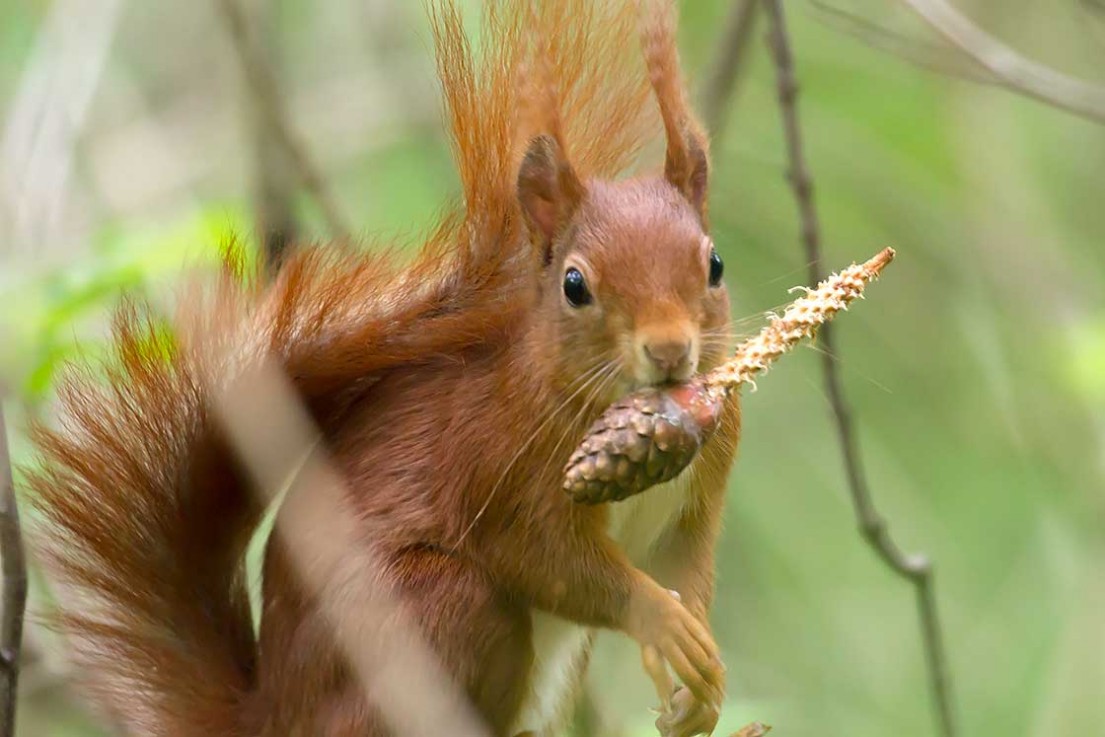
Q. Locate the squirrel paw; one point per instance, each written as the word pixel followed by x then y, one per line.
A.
pixel 670 635
pixel 687 716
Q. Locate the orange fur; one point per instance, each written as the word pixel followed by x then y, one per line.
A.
pixel 449 391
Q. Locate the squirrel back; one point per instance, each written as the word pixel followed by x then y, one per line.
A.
pixel 146 514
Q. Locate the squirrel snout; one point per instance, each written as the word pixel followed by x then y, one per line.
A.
pixel 670 358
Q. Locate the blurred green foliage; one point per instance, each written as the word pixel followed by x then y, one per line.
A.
pixel 976 367
pixel 59 314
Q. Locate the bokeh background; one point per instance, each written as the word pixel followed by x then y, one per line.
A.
pixel 976 369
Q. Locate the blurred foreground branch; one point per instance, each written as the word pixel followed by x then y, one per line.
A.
pixel 915 568
pixel 45 119
pixel 14 586
pixel 263 83
pixel 399 674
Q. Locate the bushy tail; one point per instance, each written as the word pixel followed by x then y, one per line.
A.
pixel 144 524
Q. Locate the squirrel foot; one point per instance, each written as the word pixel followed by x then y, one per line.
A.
pixel 686 716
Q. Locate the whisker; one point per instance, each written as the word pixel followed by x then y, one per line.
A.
pixel 760 316
pixel 841 361
pixel 585 380
pixel 609 377
pixel 790 274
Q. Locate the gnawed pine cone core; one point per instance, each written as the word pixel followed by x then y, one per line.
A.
pixel 650 436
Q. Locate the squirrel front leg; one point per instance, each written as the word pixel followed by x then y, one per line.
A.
pixel 684 559
pixel 580 574
pixel 684 562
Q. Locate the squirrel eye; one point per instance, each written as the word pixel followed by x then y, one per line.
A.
pixel 575 288
pixel 717 268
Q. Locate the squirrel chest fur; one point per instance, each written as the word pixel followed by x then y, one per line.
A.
pixel 561 647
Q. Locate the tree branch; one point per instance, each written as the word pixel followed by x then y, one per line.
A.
pixel 14 589
pixel 914 568
pixel 1012 70
pixel 931 55
pixel 275 182
pixel 266 91
pixel 721 85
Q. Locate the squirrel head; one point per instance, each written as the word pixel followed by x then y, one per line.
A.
pixel 631 290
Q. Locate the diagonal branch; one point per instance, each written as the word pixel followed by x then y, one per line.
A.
pixel 13 598
pixel 915 568
pixel 1013 71
pixel 931 55
pixel 388 654
pixel 263 83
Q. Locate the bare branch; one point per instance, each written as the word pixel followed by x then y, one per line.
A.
pixel 931 55
pixel 14 589
pixel 1013 70
pixel 275 184
pixel 721 85
pixel 265 88
pixel 914 568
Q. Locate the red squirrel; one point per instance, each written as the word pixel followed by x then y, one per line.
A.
pixel 449 390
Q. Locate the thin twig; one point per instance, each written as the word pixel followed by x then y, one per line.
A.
pixel 1095 12
pixel 264 86
pixel 275 185
pixel 915 568
pixel 1014 71
pixel 721 84
pixel 14 597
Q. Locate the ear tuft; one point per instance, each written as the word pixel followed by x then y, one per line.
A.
pixel 548 191
pixel 686 165
pixel 687 168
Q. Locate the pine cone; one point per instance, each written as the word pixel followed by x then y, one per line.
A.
pixel 643 440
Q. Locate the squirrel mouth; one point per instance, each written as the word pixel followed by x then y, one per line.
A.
pixel 659 383
pixel 658 380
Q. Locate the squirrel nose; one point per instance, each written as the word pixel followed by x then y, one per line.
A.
pixel 669 356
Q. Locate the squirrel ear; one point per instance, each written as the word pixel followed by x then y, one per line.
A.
pixel 548 191
pixel 687 168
